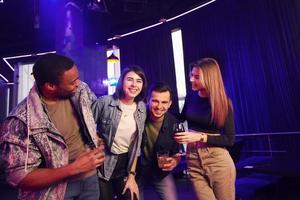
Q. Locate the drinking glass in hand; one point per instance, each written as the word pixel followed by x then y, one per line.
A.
pixel 177 128
pixel 162 158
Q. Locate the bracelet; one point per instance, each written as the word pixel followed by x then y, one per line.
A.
pixel 133 173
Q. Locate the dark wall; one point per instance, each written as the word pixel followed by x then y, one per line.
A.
pixel 257 46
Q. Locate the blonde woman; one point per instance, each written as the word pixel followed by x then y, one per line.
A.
pixel 209 114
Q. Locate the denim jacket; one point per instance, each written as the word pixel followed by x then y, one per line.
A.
pixel 107 114
pixel 29 140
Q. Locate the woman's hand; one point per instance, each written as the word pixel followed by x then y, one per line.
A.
pixel 187 137
pixel 131 185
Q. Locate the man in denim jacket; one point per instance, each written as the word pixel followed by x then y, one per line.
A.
pixel 43 140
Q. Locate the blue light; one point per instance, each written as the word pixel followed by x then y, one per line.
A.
pixel 110 82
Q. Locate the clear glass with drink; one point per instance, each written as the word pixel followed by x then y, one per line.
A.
pixel 162 158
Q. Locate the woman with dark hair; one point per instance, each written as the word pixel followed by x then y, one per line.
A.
pixel 209 113
pixel 120 120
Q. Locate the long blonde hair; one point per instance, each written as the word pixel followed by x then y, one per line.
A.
pixel 214 85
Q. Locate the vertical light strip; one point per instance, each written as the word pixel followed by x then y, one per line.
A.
pixel 7 100
pixel 179 66
pixel 113 69
pixel 25 80
pixel 110 66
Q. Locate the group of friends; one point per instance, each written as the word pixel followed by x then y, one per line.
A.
pixel 62 142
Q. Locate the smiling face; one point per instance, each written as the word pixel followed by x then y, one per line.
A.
pixel 158 104
pixel 132 85
pixel 196 79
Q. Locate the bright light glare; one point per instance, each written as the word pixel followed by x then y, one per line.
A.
pixel 110 82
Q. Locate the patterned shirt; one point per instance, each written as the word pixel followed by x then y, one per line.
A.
pixel 29 140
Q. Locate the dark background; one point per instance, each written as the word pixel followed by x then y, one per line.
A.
pixel 257 44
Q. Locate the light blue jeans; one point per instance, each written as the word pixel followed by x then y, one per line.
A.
pixel 165 188
pixel 83 189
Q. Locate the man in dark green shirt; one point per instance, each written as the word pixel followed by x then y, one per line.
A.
pixel 158 136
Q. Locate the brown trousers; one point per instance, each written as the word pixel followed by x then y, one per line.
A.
pixel 212 172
